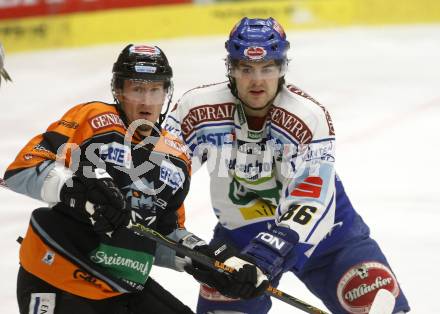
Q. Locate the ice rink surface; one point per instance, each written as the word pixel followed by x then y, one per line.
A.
pixel 381 85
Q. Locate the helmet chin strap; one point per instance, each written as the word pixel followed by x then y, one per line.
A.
pixel 121 111
pixel 163 115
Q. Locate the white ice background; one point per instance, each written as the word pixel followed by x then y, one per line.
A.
pixel 381 85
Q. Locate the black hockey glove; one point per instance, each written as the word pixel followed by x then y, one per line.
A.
pixel 167 220
pixel 95 185
pixel 243 284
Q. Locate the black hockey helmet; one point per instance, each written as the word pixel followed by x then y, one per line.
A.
pixel 143 63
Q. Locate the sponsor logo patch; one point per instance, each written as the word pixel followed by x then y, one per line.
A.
pixel 260 209
pixel 42 303
pixel 116 153
pixel 255 53
pixel 41 148
pixel 216 139
pixel 206 113
pixel 83 275
pixel 105 120
pixel 176 145
pixel 291 124
pixel 43 151
pixel 134 265
pixel 145 49
pixel 171 175
pixel 319 151
pixel 310 187
pixel 358 286
pixel 145 69
pixel 48 258
pixel 68 124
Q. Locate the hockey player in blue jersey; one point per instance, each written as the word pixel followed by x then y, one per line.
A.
pixel 270 148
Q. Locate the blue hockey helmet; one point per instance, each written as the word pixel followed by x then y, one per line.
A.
pixel 257 40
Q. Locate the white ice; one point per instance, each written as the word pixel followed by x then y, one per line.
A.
pixel 381 85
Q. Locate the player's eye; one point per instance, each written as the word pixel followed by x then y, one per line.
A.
pixel 269 70
pixel 246 70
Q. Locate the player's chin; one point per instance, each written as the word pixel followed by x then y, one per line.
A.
pixel 256 105
pixel 257 101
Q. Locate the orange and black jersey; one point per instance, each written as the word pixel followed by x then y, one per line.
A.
pixel 153 173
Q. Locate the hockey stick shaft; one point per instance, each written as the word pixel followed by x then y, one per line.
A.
pixel 206 261
pixel 219 266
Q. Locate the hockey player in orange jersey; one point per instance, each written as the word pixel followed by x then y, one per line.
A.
pixel 116 157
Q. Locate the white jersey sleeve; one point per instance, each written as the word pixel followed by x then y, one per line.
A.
pixel 307 204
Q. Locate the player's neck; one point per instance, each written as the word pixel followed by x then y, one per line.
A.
pixel 259 113
pixel 255 123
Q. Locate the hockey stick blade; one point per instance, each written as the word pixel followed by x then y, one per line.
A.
pixel 219 266
pixel 383 302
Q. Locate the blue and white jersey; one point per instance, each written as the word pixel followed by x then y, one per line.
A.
pixel 283 173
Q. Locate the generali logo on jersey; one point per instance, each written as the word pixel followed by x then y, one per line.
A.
pixel 292 124
pixel 359 285
pixel 206 113
pixel 105 120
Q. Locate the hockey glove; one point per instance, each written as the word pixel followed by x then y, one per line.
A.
pixel 273 251
pixel 247 282
pixel 95 185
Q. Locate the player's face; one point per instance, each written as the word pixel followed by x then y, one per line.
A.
pixel 142 100
pixel 257 82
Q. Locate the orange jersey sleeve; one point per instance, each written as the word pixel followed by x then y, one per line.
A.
pixel 28 170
